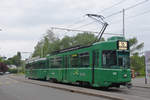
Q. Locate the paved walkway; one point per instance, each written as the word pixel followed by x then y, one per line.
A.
pixel 140 82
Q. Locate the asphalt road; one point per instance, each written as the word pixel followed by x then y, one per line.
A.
pixel 134 91
pixel 11 89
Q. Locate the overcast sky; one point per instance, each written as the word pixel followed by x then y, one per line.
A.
pixel 23 22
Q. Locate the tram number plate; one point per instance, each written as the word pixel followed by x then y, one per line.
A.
pixel 123 45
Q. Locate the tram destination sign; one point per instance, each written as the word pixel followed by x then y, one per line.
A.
pixel 147 63
pixel 122 45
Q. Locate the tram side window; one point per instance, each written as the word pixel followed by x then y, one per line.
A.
pixel 41 65
pixel 74 60
pixel 51 62
pixel 120 61
pixel 56 62
pixel 32 66
pixel 109 58
pixel 28 66
pixel 36 65
pixel 84 59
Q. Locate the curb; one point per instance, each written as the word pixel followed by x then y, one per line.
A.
pixel 141 86
pixel 73 90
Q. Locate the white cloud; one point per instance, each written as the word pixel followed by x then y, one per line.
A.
pixel 11 47
pixel 24 21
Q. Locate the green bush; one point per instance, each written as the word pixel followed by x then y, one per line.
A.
pixel 13 70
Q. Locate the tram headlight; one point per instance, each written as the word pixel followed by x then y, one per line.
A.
pixel 114 73
pixel 125 75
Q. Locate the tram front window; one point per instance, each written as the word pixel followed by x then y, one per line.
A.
pixel 109 58
pixel 123 59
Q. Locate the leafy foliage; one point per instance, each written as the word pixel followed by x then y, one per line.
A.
pixel 51 43
pixel 1 60
pixel 13 71
pixel 134 46
pixel 3 67
pixel 137 62
pixel 15 60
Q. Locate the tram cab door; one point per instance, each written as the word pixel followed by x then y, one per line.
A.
pixel 95 63
pixel 65 70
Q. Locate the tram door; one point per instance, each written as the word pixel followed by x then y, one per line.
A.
pixel 95 63
pixel 66 65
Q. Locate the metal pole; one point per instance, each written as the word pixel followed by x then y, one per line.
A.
pixel 41 51
pixel 145 69
pixel 123 29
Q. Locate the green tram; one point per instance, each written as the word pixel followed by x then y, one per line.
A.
pixel 102 64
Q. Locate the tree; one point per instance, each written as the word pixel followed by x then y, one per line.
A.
pixel 15 60
pixel 1 59
pixel 44 45
pixel 84 39
pixel 66 42
pixel 50 43
pixel 137 62
pixel 3 67
pixel 134 46
pixel 37 49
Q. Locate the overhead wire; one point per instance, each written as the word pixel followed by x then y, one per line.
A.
pixel 118 3
pixel 128 8
pixel 67 29
pixel 130 17
pixel 140 14
pixel 79 21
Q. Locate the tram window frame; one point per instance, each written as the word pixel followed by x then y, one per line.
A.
pixel 41 65
pixel 74 60
pixel 33 65
pixel 125 59
pixel 84 57
pixel 120 61
pixel 50 62
pixel 56 62
pixel 108 53
pixel 28 66
pixel 95 58
pixel 36 65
